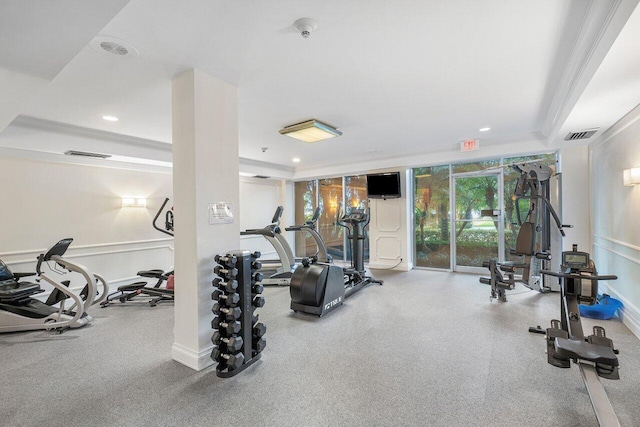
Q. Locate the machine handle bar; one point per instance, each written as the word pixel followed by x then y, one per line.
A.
pixel 578 276
pixel 155 219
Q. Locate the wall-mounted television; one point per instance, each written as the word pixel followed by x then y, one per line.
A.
pixel 384 185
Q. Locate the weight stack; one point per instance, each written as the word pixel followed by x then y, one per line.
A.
pixel 238 337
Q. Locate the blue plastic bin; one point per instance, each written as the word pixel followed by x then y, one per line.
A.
pixel 605 308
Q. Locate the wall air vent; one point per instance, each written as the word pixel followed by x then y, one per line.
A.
pixel 86 154
pixel 583 134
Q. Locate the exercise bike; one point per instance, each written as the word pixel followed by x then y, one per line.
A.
pixel 595 354
pixel 19 311
pixel 156 292
pixel 317 287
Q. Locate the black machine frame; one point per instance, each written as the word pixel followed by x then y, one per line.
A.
pixel 595 354
pixel 534 240
pixel 318 288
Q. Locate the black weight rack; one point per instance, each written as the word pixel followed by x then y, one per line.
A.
pixel 238 338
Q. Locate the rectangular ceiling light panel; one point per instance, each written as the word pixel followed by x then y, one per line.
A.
pixel 310 131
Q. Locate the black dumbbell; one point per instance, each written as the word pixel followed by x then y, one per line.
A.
pixel 230 299
pixel 257 277
pixel 257 289
pixel 229 327
pixel 259 344
pixel 259 330
pixel 227 260
pixel 231 312
pixel 258 301
pixel 234 344
pixel 228 272
pixel 256 265
pixel 233 361
pixel 229 286
pixel 254 319
pixel 256 255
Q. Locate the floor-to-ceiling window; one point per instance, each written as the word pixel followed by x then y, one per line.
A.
pixel 465 213
pixel 431 217
pixel 330 200
pixel 306 202
pixel 355 197
pixel 335 197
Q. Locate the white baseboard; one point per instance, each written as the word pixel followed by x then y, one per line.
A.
pixel 194 360
pixel 629 313
pixel 403 266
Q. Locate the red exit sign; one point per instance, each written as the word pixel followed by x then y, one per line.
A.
pixel 470 145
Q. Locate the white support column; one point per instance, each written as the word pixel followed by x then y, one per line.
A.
pixel 205 171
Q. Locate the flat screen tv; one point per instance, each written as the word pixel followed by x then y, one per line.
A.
pixel 383 185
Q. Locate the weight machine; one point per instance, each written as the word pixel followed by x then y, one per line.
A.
pixel 534 239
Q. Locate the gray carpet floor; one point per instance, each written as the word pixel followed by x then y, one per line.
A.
pixel 426 348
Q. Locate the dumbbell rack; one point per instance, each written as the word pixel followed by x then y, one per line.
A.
pixel 237 275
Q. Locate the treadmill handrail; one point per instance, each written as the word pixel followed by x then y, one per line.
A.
pixel 259 231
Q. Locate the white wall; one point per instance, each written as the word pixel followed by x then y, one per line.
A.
pixel 259 199
pixel 615 210
pixel 48 201
pixel 574 165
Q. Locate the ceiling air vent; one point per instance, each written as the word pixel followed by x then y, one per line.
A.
pixel 262 176
pixel 86 154
pixel 583 134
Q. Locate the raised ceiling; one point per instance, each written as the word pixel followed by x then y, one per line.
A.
pixel 398 78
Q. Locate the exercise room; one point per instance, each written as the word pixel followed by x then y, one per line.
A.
pixel 320 213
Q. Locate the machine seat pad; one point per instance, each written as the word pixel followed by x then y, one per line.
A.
pixel 10 289
pixel 155 274
pixel 577 349
pixel 132 286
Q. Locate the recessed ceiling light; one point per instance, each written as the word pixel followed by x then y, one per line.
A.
pixel 113 47
pixel 484 129
pixel 296 160
pixel 110 118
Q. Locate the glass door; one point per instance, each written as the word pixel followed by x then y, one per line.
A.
pixel 477 229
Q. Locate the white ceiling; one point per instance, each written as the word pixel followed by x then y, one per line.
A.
pixel 398 78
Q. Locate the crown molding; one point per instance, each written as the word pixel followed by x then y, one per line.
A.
pixel 599 29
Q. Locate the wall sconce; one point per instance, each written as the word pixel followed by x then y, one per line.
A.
pixel 134 202
pixel 631 176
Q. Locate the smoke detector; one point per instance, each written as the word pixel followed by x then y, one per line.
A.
pixel 305 26
pixel 113 47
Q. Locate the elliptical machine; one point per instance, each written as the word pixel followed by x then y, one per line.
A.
pixel 19 311
pixel 318 288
